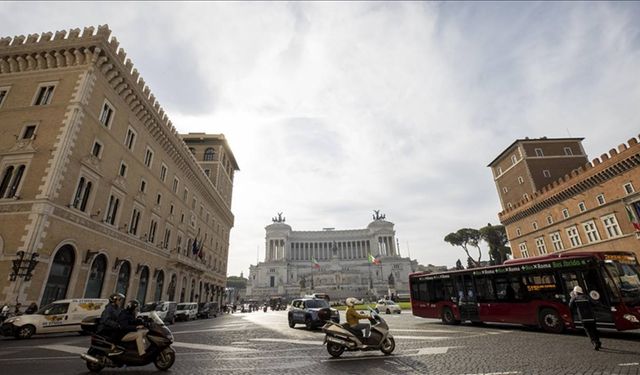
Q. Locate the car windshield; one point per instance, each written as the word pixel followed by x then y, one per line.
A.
pixel 182 306
pixel 44 308
pixel 626 276
pixel 150 307
pixel 316 303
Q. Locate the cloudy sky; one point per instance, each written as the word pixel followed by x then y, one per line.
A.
pixel 336 109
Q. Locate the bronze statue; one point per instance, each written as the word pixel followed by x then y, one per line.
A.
pixel 279 218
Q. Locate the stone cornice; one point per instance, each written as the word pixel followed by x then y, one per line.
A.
pixel 608 166
pixel 97 49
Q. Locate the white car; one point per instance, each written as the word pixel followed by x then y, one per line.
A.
pixel 388 307
pixel 187 311
pixel 56 317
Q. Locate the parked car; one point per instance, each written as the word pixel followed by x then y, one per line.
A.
pixel 187 311
pixel 166 310
pixel 208 309
pixel 388 306
pixel 59 316
pixel 305 311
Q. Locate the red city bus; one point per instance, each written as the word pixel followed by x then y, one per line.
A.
pixel 534 291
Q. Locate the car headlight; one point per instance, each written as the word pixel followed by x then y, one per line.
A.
pixel 11 320
pixel 632 318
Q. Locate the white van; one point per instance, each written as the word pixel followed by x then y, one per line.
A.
pixel 187 311
pixel 166 310
pixel 59 316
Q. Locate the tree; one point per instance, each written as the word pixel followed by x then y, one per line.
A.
pixel 464 238
pixel 496 237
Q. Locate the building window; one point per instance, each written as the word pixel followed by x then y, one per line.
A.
pixel 591 231
pixel 130 139
pixel 10 182
pixel 135 220
pixel 535 225
pixel 167 238
pixel 525 196
pixel 574 236
pixel 505 190
pixel 514 159
pixel 3 94
pixel 97 149
pixel 152 231
pixel 549 219
pixel 518 232
pixel 539 152
pixel 182 218
pixel 163 172
pixel 520 180
pixel 565 213
pixel 209 154
pixel 28 132
pixel 582 207
pixel 185 194
pixel 176 182
pixel 611 226
pixel 112 210
pixel 523 250
pixel 106 115
pixel 143 186
pixel 83 191
pixel 148 157
pixel 546 173
pixel 44 94
pixel 123 170
pixel 600 199
pixel 158 199
pixel 193 203
pixel 556 240
pixel 540 245
pixel 567 151
pixel 171 207
pixel 628 188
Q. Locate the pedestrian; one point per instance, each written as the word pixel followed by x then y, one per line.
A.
pixel 17 309
pixel 33 307
pixel 582 305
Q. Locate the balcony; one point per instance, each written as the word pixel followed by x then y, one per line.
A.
pixel 186 262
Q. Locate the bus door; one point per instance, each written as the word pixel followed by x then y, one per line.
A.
pixel 592 286
pixel 467 301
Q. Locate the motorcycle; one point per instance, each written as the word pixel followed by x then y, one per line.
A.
pixel 264 308
pixel 160 352
pixel 340 337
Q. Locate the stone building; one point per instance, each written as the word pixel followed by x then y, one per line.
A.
pixel 335 262
pixel 566 203
pixel 98 192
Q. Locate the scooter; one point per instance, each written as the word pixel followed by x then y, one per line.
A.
pixel 340 337
pixel 101 355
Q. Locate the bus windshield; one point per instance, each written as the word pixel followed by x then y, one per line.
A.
pixel 626 276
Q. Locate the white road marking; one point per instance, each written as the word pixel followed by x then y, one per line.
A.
pixel 427 330
pixel 496 373
pixel 213 348
pixel 290 341
pixel 421 351
pixel 239 328
pixel 65 348
pixel 421 337
pixel 629 364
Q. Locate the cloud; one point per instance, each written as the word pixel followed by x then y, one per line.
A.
pixel 335 109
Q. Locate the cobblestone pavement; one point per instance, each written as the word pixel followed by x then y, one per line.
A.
pixel 262 343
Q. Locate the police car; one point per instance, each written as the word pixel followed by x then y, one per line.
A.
pixel 305 311
pixel 60 316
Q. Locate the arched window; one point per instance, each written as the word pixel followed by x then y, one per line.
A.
pixel 171 291
pixel 159 285
pixel 142 286
pixel 193 289
pixel 122 286
pixel 183 289
pixel 209 154
pixel 59 275
pixel 96 277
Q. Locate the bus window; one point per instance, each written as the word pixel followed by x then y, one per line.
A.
pixel 414 290
pixel 569 280
pixel 509 289
pixel 485 290
pixel 447 285
pixel 541 286
pixel 423 294
pixel 436 291
pixel 626 276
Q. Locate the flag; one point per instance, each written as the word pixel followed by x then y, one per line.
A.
pixel 194 246
pixel 633 220
pixel 315 263
pixel 200 252
pixel 373 260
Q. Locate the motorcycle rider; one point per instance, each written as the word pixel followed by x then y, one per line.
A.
pixel 132 328
pixel 109 326
pixel 353 318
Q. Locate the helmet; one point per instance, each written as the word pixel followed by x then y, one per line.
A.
pixel 132 305
pixel 577 289
pixel 115 297
pixel 351 301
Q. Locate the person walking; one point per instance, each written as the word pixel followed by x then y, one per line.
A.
pixel 582 305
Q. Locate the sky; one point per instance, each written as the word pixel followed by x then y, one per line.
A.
pixel 336 109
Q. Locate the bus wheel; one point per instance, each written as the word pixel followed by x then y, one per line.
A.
pixel 550 321
pixel 448 317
